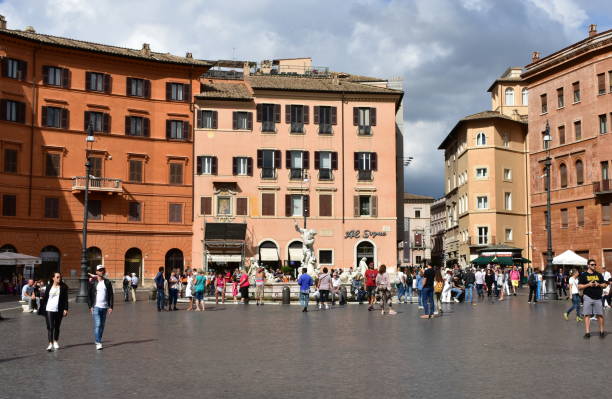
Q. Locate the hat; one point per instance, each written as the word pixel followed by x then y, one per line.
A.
pixel 99 267
pixel 133 274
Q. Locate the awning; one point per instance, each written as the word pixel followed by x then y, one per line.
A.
pixel 224 258
pixel 296 254
pixel 13 259
pixel 569 258
pixel 502 260
pixel 482 260
pixel 268 254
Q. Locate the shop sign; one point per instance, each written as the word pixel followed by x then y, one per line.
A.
pixel 365 234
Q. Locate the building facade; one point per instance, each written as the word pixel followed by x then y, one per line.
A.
pixel 438 228
pixel 571 91
pixel 417 229
pixel 284 143
pixel 139 104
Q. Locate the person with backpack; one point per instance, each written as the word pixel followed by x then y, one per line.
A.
pixel 532 282
pixel 409 286
pixel 159 284
pixel 438 287
pixel 126 288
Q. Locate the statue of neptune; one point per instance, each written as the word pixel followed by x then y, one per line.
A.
pixel 308 259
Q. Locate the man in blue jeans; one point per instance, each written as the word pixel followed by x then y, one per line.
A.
pixel 469 279
pixel 100 302
pixel 305 282
pixel 159 284
pixel 427 292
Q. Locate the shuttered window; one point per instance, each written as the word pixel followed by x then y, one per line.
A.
pixel 268 204
pixel 176 173
pixel 177 130
pixel 580 216
pixel 9 205
pixel 564 218
pixel 56 76
pixel 135 170
pixel 55 117
pixel 576 91
pixel 364 118
pixel 605 214
pixel 206 165
pixel 100 82
pixel 242 166
pixel 325 117
pixel 206 205
pixel 269 116
pixel 242 120
pixel 578 130
pixel 137 126
pixel 99 121
pixel 543 104
pixel 579 172
pixel 138 88
pixel 242 206
pixel 325 205
pixel 208 119
pixel 365 205
pixel 10 160
pixel 178 92
pixel 14 68
pixel 52 207
pixel 561 131
pixel 12 111
pixel 134 211
pixel 601 83
pixel 296 116
pixel 52 164
pixel 96 166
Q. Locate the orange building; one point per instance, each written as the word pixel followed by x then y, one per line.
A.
pixel 571 90
pixel 140 104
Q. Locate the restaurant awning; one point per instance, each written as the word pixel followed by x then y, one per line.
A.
pixel 14 259
pixel 502 260
pixel 268 254
pixel 482 260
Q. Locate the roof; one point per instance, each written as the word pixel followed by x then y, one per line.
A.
pixel 103 48
pixel 213 90
pixel 360 78
pixel 478 116
pixel 417 197
pixel 506 78
pixel 298 83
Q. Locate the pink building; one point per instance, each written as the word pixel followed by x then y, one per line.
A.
pixel 287 143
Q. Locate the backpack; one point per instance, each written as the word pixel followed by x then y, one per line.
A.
pixel 532 280
pixel 438 286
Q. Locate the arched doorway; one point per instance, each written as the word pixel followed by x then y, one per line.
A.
pixel 133 261
pixel 94 258
pixel 174 260
pixel 295 255
pixel 268 255
pixel 8 248
pixel 365 249
pixel 50 258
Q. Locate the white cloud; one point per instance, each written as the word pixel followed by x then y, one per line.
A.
pixel 567 12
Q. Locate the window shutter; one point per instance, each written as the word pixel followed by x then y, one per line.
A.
pixel 250 166
pixel 259 112
pixel 146 126
pixel 20 112
pixel 43 115
pixel 234 166
pixel 45 74
pixel 317 161
pixel 355 116
pixel 3 110
pixel 242 206
pixel 128 126
pixel 356 160
pixel 65 118
pixel 128 87
pixel 168 91
pixel 23 70
pixel 187 92
pixel 199 119
pixel 206 205
pixel 306 205
pixel 259 159
pixel 147 89
pixel 287 205
pixel 234 120
pixel 66 78
pixel 374 161
pixel 316 115
pixel 108 84
pixel 168 128
pixel 277 112
pixel 373 116
pixel 4 63
pixel 86 120
pixel 199 160
pixel 356 206
pixel 287 113
pixel 288 159
pixel 334 160
pixel 306 162
pixel 214 165
pixel 187 130
pixel 277 159
pixel 334 120
pixel 88 81
pixel 374 205
pixel 106 123
pixel 249 120
pixel 325 205
pixel 306 116
pixel 215 118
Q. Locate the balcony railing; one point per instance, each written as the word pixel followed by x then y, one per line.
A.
pixel 326 175
pixel 602 187
pixel 296 128
pixel 268 173
pixel 481 241
pixel 296 174
pixel 364 175
pixel 268 127
pixel 97 184
pixel 364 130
pixel 325 128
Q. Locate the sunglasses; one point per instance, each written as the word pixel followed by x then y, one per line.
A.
pixel 592 264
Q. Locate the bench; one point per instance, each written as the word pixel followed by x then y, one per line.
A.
pixel 25 307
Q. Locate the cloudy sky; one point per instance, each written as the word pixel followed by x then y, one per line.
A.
pixel 447 51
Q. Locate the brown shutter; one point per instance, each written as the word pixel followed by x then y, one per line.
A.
pixel 334 119
pixel 374 161
pixel 242 206
pixel 268 205
pixel 374 205
pixel 147 89
pixel 355 116
pixel 306 161
pixel 199 119
pixel 287 205
pixel 317 161
pixel 3 115
pixel 168 91
pixel 250 166
pixel 128 87
pixel 277 159
pixel 601 83
pixel 108 84
pixel 234 120
pixel 334 160
pixel 249 120
pixel 325 205
pixel 214 166
pixel 356 160
pixel 168 128
pixel 306 205
pixel 277 112
pixel 288 159
pixel 128 126
pixel 316 115
pixel 65 119
pixel 106 123
pixel 234 166
pixel 66 78
pixel 206 205
pixel 45 70
pixel 356 205
pixel 88 81
pixel 215 119
pixel 259 159
pixel 21 112
pixel 306 114
pixel 86 120
pixel 187 92
pixel 287 113
pixel 187 130
pixel 146 127
pixel 373 116
pixel 43 115
pixel 259 112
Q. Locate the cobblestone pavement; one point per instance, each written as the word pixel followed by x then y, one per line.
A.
pixel 496 350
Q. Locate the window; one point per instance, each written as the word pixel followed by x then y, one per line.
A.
pixel 269 116
pixel 242 166
pixel 364 118
pixel 207 119
pixel 297 162
pixel 14 69
pixel 9 205
pixel 268 204
pixel 55 117
pixel 603 124
pixel 508 174
pixel 325 205
pixel 560 98
pixel 176 173
pixel 366 205
pixel 505 139
pixel 206 165
pixel 579 172
pixel 483 235
pixel 601 83
pixel 482 202
pixel 296 205
pixel 580 216
pixel 563 175
pixel 175 213
pixel 481 139
pixel 96 166
pixel 205 205
pixel 134 211
pixel 544 103
pixel 95 81
pixel 325 117
pixel 365 163
pixel 525 95
pixel 508 234
pixel 509 96
pixel 610 80
pixel 94 209
pixel 605 175
pixel 177 130
pixel 52 164
pixel 578 130
pixel 508 201
pixel 137 126
pixel 242 206
pixel 178 92
pixel 10 160
pixel 325 163
pixel 296 116
pixel 243 121
pixel 100 121
pixel 138 88
pixel 12 111
pixel 561 132
pixel 482 172
pixel 326 257
pixel 268 161
pixel 135 171
pixel 224 206
pixel 52 207
pixel 576 90
pixel 605 212
pixel 417 213
pixel 55 76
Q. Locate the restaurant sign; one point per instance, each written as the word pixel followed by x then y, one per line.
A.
pixel 365 234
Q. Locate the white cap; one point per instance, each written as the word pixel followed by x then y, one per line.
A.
pixel 99 267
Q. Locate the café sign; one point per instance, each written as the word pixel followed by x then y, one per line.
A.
pixel 365 234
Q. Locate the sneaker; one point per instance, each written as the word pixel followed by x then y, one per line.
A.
pixel 602 334
pixel 98 346
pixel 55 345
pixel 382 312
pixel 456 300
pixel 421 308
pixel 566 316
pixel 587 336
pixel 319 306
pixel 392 312
pixel 50 348
pixel 326 306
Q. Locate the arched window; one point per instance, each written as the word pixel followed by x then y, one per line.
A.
pixel 563 175
pixel 8 248
pixel 509 96
pixel 579 172
pixel 133 261
pixel 94 258
pixel 50 257
pixel 174 260
pixel 481 139
pixel 525 96
pixel 268 255
pixel 365 249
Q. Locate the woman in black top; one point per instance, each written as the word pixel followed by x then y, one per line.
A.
pixel 489 281
pixel 54 306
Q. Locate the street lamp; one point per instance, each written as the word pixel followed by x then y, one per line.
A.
pixel 549 273
pixel 306 180
pixel 82 296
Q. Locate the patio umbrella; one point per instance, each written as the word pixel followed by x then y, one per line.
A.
pixel 14 259
pixel 569 258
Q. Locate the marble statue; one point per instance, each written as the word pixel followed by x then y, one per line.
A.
pixel 253 266
pixel 363 267
pixel 309 260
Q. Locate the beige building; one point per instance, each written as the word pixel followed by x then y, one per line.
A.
pixel 417 229
pixel 438 228
pixel 486 181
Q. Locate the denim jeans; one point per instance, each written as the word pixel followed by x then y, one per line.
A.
pixel 428 301
pixel 161 298
pixel 457 292
pixel 420 293
pixel 408 295
pixel 173 298
pixel 401 291
pixel 479 290
pixel 99 316
pixel 304 298
pixel 126 294
pixel 469 290
pixel 575 305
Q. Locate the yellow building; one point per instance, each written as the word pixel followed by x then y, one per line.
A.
pixel 486 181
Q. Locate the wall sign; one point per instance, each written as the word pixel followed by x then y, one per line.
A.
pixel 366 234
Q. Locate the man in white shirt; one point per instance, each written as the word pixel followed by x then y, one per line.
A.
pixel 134 286
pixel 100 302
pixel 27 294
pixel 479 279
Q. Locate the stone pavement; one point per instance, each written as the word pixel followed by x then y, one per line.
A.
pixel 496 350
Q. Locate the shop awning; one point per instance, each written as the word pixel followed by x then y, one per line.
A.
pixel 268 254
pixel 225 231
pixel 502 260
pixel 522 260
pixel 13 259
pixel 224 258
pixel 482 260
pixel 296 254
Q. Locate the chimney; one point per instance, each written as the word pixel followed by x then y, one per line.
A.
pixel 535 56
pixel 2 22
pixel 592 30
pixel 188 55
pixel 146 48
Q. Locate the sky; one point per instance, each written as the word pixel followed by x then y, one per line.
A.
pixel 448 52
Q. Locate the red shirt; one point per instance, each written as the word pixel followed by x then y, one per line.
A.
pixel 244 280
pixel 370 277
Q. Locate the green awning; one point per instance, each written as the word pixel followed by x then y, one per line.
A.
pixel 523 260
pixel 482 260
pixel 503 260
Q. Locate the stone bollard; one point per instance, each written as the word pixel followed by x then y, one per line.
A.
pixel 286 295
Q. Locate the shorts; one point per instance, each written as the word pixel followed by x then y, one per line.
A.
pixel 592 307
pixel 259 291
pixel 199 295
pixel 220 290
pixel 515 283
pixel 371 290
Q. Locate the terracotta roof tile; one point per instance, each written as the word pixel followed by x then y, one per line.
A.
pixel 299 83
pixel 412 197
pixel 222 90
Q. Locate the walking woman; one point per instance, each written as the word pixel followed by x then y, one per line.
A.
pixel 220 288
pixel 489 281
pixel 575 293
pixel 235 279
pixel 173 290
pixel 189 289
pixel 383 284
pixel 324 285
pixel 54 307
pixel 438 287
pixel 199 285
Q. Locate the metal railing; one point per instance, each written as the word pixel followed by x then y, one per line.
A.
pixel 326 175
pixel 268 173
pixel 296 174
pixel 98 184
pixel 326 128
pixel 602 187
pixel 364 130
pixel 296 128
pixel 268 127
pixel 365 175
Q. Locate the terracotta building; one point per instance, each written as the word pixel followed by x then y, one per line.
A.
pixel 284 143
pixel 140 105
pixel 571 91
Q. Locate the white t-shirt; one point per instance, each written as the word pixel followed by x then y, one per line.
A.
pixel 573 283
pixel 479 277
pixel 607 276
pixel 101 295
pixel 336 282
pixel 401 277
pixel 53 302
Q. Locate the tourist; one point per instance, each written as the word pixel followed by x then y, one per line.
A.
pixel 260 277
pixel 173 290
pixel 189 288
pixel 500 282
pixel 606 294
pixel 427 292
pixel 560 284
pixel 305 282
pixel 438 288
pixel 244 284
pixel 489 280
pixel 532 282
pixel 469 280
pixel 134 286
pixel 592 284
pixel 515 277
pixel 400 284
pixel 541 286
pixel 220 288
pixel 127 280
pixel 575 293
pixel 324 285
pixel 408 284
pixel 370 283
pixel 199 286
pixel 100 302
pixel 54 306
pixel 383 285
pixel 419 287
pixel 28 295
pixel 479 279
pixel 159 285
pixel 335 288
pixel 235 283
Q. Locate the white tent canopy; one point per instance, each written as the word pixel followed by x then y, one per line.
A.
pixel 569 258
pixel 14 259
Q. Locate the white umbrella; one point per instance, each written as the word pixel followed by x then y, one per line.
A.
pixel 14 259
pixel 569 258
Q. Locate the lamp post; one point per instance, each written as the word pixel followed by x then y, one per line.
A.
pixel 549 273
pixel 82 296
pixel 305 211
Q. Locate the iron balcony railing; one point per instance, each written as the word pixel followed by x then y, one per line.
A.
pixel 326 175
pixel 365 175
pixel 602 187
pixel 97 184
pixel 268 173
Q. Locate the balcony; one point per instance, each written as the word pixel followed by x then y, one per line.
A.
pixel 326 175
pixel 296 174
pixel 364 130
pixel 296 128
pixel 98 184
pixel 481 241
pixel 602 187
pixel 268 173
pixel 325 129
pixel 365 175
pixel 268 127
